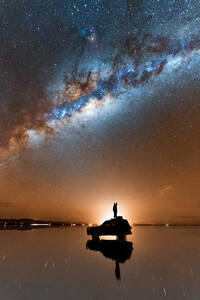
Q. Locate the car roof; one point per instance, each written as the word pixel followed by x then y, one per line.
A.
pixel 118 220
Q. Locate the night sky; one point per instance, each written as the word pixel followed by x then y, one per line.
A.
pixel 99 103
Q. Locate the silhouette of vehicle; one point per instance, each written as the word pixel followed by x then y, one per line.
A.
pixel 117 250
pixel 118 226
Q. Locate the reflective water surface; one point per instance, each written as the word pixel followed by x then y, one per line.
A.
pixel 161 263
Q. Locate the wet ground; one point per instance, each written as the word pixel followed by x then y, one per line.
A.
pixel 161 263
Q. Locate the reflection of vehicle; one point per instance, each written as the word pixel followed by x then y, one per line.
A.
pixel 117 250
pixel 114 249
pixel 118 226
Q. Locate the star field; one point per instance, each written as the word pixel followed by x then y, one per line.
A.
pixel 108 91
pixel 95 48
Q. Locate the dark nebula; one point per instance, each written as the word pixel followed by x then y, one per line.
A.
pixel 116 88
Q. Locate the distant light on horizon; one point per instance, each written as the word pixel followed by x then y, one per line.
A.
pixel 35 224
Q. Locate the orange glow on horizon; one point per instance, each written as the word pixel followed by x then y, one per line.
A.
pixel 106 212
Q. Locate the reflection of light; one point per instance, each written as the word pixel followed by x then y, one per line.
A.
pixel 108 237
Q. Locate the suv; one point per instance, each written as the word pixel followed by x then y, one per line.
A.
pixel 117 226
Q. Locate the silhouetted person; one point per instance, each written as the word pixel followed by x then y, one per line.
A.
pixel 115 209
pixel 117 270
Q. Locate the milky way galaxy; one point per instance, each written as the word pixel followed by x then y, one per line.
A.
pixel 100 102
